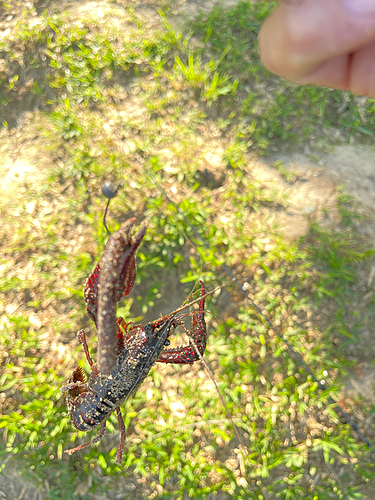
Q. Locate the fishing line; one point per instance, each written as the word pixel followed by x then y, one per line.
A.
pixel 293 352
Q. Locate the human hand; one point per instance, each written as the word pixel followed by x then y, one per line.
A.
pixel 322 42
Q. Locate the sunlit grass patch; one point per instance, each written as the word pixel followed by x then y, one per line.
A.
pixel 151 107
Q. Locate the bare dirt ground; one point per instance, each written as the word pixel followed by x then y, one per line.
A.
pixel 312 194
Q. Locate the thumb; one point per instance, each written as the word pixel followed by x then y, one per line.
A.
pixel 303 40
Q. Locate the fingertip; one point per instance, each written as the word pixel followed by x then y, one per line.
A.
pixel 269 47
pixel 362 72
pixel 281 44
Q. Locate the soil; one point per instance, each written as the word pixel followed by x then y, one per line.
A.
pixel 312 190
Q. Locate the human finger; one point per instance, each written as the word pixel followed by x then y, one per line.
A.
pixel 319 41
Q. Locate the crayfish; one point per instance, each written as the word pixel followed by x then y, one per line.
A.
pixel 126 352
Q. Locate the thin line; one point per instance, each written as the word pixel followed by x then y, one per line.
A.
pixel 294 353
pixel 194 424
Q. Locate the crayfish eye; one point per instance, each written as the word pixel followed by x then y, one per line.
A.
pixel 167 342
pixel 148 329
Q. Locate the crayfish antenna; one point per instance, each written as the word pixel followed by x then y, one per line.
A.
pixel 123 436
pixel 215 384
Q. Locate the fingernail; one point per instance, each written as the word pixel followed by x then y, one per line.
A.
pixel 360 6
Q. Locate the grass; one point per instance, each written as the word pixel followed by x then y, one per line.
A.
pixel 143 105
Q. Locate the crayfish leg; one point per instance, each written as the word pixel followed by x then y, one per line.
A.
pixel 123 436
pixel 81 336
pixel 93 441
pixel 124 334
pixel 120 336
pixel 198 335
